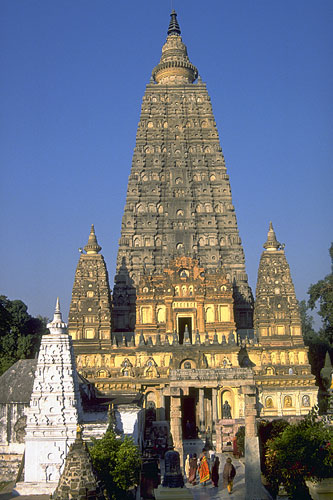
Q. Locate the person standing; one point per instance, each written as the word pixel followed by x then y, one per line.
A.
pixel 193 470
pixel 203 469
pixel 215 470
pixel 187 467
pixel 229 473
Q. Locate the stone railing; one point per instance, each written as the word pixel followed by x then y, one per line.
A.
pixel 211 374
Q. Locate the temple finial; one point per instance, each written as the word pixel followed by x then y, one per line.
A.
pixel 57 326
pixel 174 28
pixel 57 307
pixel 272 243
pixel 92 247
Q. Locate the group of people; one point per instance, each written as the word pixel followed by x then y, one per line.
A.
pixel 209 471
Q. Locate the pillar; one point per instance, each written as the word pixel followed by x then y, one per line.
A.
pixel 201 410
pixel 176 425
pixel 162 406
pixel 214 408
pixel 201 317
pixel 168 313
pixel 253 485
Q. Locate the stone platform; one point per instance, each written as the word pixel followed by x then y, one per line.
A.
pixel 173 493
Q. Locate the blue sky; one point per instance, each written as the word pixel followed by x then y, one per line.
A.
pixel 73 77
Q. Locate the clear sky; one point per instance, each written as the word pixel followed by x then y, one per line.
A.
pixel 73 76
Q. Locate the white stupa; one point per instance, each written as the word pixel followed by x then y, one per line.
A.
pixel 55 410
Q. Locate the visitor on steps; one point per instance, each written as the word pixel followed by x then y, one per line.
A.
pixel 203 469
pixel 193 470
pixel 229 473
pixel 215 461
pixel 187 467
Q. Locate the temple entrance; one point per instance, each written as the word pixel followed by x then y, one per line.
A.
pixel 182 322
pixel 188 417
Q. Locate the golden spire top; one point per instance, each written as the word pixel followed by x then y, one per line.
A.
pixel 92 247
pixel 272 243
pixel 175 66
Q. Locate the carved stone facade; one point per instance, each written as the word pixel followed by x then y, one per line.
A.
pixel 185 301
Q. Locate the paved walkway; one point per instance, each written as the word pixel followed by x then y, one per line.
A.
pixel 7 494
pixel 209 492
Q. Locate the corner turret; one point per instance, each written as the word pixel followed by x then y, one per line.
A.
pixel 90 309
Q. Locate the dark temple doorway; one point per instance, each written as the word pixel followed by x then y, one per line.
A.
pixel 182 323
pixel 188 417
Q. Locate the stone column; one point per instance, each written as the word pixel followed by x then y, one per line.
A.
pixel 201 410
pixel 176 425
pixel 253 485
pixel 214 408
pixel 168 313
pixel 162 406
pixel 298 403
pixel 201 317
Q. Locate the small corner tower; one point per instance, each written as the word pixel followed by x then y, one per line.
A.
pixel 90 309
pixel 283 375
pixel 55 408
pixel 276 314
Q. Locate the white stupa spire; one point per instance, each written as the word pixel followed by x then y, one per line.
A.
pixel 57 326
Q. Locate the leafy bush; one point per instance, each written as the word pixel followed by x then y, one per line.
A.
pixel 303 451
pixel 267 431
pixel 117 462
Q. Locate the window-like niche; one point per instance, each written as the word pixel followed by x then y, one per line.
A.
pixel 146 314
pixel 210 314
pixel 127 368
pixel 161 314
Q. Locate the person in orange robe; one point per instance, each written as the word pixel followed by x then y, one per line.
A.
pixel 203 469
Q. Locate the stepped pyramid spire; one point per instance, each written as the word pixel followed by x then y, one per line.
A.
pixel 92 247
pixel 90 309
pixel 271 243
pixel 178 198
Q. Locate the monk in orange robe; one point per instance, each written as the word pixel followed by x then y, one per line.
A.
pixel 203 469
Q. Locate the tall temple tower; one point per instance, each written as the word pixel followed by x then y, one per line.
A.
pixel 178 198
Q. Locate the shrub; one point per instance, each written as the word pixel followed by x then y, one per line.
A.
pixel 303 451
pixel 117 462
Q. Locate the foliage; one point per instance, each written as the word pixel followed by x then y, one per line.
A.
pixel 268 431
pixel 20 333
pixel 322 292
pixel 240 440
pixel 318 346
pixel 303 451
pixel 117 463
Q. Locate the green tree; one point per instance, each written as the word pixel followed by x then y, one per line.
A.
pixel 117 462
pixel 321 293
pixel 20 333
pixel 308 330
